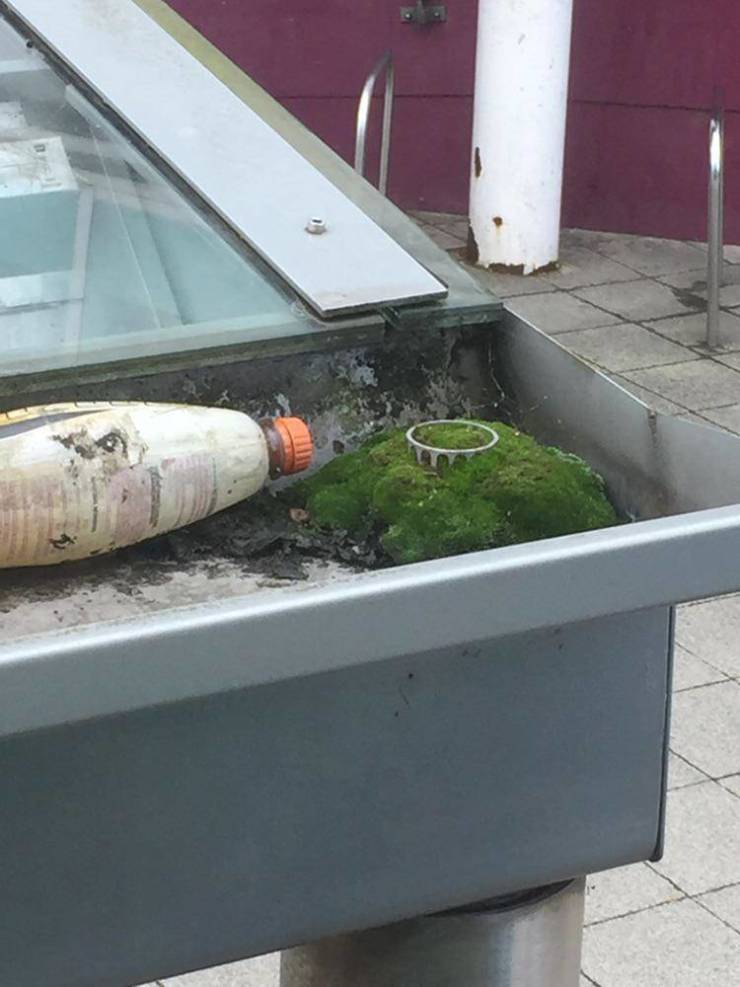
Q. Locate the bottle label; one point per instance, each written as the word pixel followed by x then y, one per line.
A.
pixel 44 519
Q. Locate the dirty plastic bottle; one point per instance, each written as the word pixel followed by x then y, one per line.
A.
pixel 78 480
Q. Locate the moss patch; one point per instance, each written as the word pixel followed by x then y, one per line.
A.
pixel 518 491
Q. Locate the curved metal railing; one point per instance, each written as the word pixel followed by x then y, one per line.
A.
pixel 363 114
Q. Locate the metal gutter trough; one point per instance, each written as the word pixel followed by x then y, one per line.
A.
pixel 198 768
pixel 399 776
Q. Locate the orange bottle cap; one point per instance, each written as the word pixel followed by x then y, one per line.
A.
pixel 297 444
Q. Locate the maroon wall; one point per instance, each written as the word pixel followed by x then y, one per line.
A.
pixel 642 83
pixel 314 56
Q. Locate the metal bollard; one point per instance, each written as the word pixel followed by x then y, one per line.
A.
pixel 715 226
pixel 527 940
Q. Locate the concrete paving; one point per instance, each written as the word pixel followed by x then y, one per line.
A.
pixel 633 307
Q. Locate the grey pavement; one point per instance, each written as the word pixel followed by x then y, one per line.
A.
pixel 634 308
pixel 677 922
pixel 264 971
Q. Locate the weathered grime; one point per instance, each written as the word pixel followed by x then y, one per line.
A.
pixel 346 395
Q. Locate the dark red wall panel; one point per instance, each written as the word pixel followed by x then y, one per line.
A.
pixel 429 171
pixel 642 82
pixel 641 184
pixel 649 52
pixel 323 48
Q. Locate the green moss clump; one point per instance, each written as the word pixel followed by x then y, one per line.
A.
pixel 442 525
pixel 403 485
pixel 518 491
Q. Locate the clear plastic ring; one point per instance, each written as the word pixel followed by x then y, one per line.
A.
pixel 432 454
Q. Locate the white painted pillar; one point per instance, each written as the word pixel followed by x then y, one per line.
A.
pixel 521 88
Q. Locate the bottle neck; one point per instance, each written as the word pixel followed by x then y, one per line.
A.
pixel 275 448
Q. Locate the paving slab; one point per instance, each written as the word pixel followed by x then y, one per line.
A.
pixel 434 218
pixel 699 419
pixel 675 945
pixel 586 238
pixel 732 784
pixel 725 904
pixel 681 773
pixel 695 283
pixel 729 295
pixel 560 311
pixel 711 631
pixel 580 267
pixel 705 728
pixel 695 384
pixel 702 838
pixel 691 330
pixel 443 239
pixel 652 400
pixel 625 890
pixel 637 301
pixel 690 671
pixel 651 255
pixel 727 417
pixel 623 347
pixel 696 279
pixel 510 285
pixel 731 251
pixel 418 220
pixel 263 971
pixel 728 359
pixel 457 226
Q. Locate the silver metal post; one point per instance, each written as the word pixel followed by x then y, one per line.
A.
pixel 715 226
pixel 363 113
pixel 531 940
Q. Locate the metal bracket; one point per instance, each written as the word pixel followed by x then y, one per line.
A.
pixel 422 13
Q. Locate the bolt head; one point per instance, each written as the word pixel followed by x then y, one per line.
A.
pixel 316 225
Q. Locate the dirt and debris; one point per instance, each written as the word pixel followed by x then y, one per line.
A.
pixel 252 548
pixel 265 535
pixel 262 538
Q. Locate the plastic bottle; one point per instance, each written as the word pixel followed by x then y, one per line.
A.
pixel 78 480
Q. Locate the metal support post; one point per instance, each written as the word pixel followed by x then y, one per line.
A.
pixel 528 940
pixel 519 112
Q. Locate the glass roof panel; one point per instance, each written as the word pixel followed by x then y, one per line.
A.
pixel 229 156
pixel 101 257
pixel 466 302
